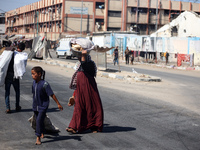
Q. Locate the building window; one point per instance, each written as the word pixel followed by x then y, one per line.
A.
pixel 2 20
pixel 174 31
pixel 151 27
pixel 174 14
pixel 143 27
pixel 152 11
pixel 100 5
pixel 166 12
pixel 114 13
pixel 99 23
pixel 133 9
pixel 113 29
pixel 142 10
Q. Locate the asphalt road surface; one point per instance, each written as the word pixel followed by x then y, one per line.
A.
pixel 137 116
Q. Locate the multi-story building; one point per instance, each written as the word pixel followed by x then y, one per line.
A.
pixel 54 18
pixel 2 23
pixel 41 18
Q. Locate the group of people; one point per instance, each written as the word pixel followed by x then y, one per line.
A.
pixel 88 110
pixel 127 56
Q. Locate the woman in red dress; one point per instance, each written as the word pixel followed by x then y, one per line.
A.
pixel 88 110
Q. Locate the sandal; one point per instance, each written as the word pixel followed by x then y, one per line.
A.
pixel 94 129
pixel 8 111
pixel 38 143
pixel 71 130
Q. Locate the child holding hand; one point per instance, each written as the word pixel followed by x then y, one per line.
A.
pixel 41 91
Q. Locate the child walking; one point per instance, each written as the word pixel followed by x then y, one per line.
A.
pixel 41 91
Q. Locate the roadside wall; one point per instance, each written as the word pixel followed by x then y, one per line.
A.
pixel 147 44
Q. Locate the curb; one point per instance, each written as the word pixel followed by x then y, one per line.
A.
pixel 107 75
pixel 111 75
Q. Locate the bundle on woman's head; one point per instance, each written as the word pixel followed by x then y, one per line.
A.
pixel 38 70
pixel 79 44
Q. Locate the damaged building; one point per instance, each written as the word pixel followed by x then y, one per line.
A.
pixel 185 25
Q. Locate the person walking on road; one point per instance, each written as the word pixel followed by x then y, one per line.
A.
pixel 41 90
pixel 88 110
pixel 127 53
pixel 11 79
pixel 166 57
pixel 116 55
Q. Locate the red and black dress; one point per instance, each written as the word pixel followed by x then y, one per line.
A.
pixel 88 110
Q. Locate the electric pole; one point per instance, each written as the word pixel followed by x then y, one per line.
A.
pixel 81 17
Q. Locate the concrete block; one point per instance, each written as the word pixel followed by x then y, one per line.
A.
pixel 112 75
pixel 119 77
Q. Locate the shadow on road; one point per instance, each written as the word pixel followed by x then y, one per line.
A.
pixel 27 110
pixel 55 137
pixel 52 110
pixel 110 70
pixel 108 129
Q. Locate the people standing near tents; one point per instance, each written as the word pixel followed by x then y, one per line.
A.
pixel 127 53
pixel 116 55
pixel 16 69
pixel 132 57
pixel 166 57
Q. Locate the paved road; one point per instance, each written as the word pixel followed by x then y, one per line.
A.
pixel 132 120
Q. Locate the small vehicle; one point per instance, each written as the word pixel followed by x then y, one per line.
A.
pixel 63 49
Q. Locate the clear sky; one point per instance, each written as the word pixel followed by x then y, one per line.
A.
pixel 7 5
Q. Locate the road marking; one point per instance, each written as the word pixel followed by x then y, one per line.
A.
pixel 27 97
pixel 194 124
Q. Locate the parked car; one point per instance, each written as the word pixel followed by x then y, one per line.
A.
pixel 63 49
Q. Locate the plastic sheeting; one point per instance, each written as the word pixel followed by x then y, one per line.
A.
pixel 47 124
pixel 20 61
pixel 5 58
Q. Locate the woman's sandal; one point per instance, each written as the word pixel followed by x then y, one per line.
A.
pixel 71 130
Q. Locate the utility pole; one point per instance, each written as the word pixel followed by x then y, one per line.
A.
pixel 156 15
pixel 34 21
pixel 123 16
pixel 37 21
pixel 81 17
pixel 156 27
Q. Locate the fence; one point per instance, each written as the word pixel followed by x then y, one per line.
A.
pixel 151 48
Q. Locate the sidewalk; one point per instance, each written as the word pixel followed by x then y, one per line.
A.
pixel 170 65
pixel 108 73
